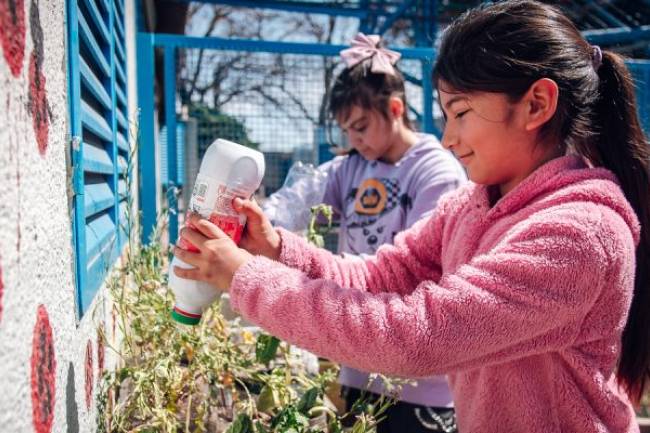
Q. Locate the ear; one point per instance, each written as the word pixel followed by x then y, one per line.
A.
pixel 540 102
pixel 396 107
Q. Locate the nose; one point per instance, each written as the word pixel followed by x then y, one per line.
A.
pixel 449 137
pixel 372 240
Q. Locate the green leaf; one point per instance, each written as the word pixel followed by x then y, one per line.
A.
pixel 268 400
pixel 335 426
pixel 242 424
pixel 319 241
pixel 266 348
pixel 260 428
pixel 308 400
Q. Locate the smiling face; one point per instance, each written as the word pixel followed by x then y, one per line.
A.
pixel 491 136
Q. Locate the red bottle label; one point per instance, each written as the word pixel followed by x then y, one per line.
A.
pixel 231 225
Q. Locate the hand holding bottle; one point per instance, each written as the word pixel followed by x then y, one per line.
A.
pixel 217 259
pixel 259 238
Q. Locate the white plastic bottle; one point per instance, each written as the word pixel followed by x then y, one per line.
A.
pixel 228 170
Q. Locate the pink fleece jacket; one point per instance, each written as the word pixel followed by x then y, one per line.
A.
pixel 522 303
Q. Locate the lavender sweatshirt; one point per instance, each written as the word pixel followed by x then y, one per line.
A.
pixel 375 200
pixel 523 303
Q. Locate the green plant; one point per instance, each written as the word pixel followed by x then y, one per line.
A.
pixel 316 231
pixel 214 377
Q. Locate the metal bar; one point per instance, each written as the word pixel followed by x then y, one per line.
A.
pixel 617 35
pixel 433 21
pixel 390 20
pixel 170 122
pixel 161 39
pixel 293 6
pixel 611 20
pixel 411 79
pixel 365 22
pixel 148 193
pixel 427 96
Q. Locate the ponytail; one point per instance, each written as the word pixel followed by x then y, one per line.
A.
pixel 623 148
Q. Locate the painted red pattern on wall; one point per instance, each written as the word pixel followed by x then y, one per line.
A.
pixel 89 374
pixel 43 368
pixel 38 104
pixel 113 321
pixel 100 353
pixel 12 33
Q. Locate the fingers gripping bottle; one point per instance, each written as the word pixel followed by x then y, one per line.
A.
pixel 228 170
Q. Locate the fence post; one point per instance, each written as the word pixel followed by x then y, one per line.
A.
pixel 147 191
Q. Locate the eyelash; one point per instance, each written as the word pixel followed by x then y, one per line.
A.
pixel 461 114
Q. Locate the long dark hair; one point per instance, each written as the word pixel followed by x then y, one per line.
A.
pixel 506 47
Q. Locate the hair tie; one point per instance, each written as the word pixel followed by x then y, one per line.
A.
pixel 367 47
pixel 596 56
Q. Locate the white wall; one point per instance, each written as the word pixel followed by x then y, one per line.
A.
pixel 36 253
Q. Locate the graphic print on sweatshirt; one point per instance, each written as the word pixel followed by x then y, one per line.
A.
pixel 368 208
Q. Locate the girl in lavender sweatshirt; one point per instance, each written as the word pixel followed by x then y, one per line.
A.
pixel 529 287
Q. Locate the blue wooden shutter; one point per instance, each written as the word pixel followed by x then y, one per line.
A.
pixel 99 129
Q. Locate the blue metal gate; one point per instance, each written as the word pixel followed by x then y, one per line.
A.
pixel 268 129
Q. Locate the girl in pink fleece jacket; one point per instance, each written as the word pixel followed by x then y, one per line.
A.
pixel 529 287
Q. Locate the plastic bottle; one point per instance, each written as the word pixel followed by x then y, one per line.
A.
pixel 228 170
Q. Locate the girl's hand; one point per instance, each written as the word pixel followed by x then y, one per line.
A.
pixel 218 258
pixel 259 238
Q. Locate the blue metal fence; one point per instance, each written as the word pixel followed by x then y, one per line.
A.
pixel 284 136
pixel 640 70
pixel 179 180
pixel 99 129
pixel 260 118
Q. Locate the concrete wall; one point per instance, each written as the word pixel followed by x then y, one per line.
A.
pixel 50 358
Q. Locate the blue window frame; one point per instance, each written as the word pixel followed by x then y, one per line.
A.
pixel 97 84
